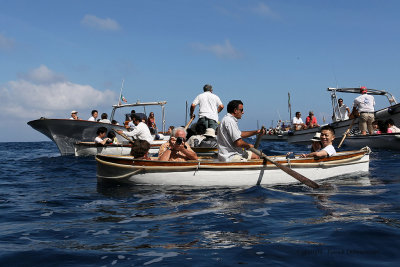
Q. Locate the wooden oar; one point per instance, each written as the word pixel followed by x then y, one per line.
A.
pixel 124 136
pixel 288 170
pixel 188 124
pixel 346 132
pixel 258 140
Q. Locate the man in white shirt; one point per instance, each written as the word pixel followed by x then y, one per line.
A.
pixel 209 107
pixel 141 130
pixel 365 105
pixel 297 122
pixel 95 113
pixel 230 138
pixel 74 115
pixel 343 112
pixel 104 118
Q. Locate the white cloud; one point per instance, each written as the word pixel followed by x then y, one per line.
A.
pixel 225 50
pixel 264 11
pixel 107 24
pixel 41 93
pixel 6 43
pixel 42 75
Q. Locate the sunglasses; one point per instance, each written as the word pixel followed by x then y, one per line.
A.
pixel 240 109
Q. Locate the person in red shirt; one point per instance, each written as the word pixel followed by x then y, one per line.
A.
pixel 311 120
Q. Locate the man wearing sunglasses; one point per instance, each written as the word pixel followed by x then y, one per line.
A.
pixel 231 147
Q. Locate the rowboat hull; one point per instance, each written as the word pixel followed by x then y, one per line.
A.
pixel 213 173
pixel 380 141
pixel 304 136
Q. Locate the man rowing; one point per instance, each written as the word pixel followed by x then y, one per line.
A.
pixel 141 130
pixel 230 139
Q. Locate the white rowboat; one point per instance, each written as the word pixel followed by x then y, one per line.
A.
pixel 214 173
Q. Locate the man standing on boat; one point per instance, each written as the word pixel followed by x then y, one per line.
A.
pixel 365 105
pixel 342 112
pixel 141 130
pixel 209 107
pixel 230 139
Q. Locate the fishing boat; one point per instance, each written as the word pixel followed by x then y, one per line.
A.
pixel 390 112
pixel 387 141
pixel 65 133
pixel 206 172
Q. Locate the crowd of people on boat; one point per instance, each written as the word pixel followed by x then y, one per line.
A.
pixel 226 135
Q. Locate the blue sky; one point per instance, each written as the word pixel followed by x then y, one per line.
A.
pixel 57 56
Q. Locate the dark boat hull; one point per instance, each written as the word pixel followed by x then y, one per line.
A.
pixel 66 133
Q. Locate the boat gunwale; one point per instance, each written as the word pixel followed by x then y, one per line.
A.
pixel 130 163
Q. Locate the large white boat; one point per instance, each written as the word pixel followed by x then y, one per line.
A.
pixel 387 141
pixel 390 112
pixel 65 133
pixel 214 173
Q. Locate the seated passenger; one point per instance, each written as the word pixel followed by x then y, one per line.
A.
pixel 391 128
pixel 114 122
pixel 74 115
pixel 95 113
pixel 327 137
pixel 194 140
pixel 151 123
pixel 210 139
pixel 104 119
pixel 311 120
pixel 101 136
pixel 140 149
pixel 375 126
pixel 176 149
pixel 316 145
pixel 113 138
pixel 297 122
pixel 170 129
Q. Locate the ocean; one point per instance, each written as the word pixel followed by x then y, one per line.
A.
pixel 53 212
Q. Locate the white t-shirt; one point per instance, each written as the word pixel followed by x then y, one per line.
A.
pixel 92 119
pixel 365 103
pixel 330 150
pixel 208 105
pixel 195 140
pixel 341 113
pixel 228 132
pixel 296 120
pixel 105 121
pixel 98 140
pixel 141 132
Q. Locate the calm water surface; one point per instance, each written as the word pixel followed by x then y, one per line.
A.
pixel 54 213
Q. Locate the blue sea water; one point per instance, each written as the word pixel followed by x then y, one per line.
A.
pixel 54 213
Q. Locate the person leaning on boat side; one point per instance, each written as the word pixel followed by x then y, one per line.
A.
pixel 391 128
pixel 74 115
pixel 327 136
pixel 364 104
pixel 230 138
pixel 209 107
pixel 141 130
pixel 140 150
pixel 95 114
pixel 342 113
pixel 311 120
pixel 101 136
pixel 104 118
pixel 176 149
pixel 297 122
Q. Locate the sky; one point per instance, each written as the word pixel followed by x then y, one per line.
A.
pixel 58 56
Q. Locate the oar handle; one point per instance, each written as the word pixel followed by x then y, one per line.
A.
pixel 259 136
pixel 345 133
pixel 187 125
pixel 288 170
pixel 124 136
